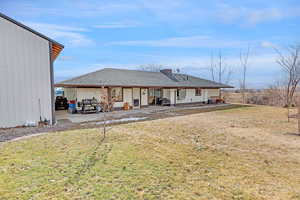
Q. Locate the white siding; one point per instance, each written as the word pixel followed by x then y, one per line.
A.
pixel 192 98
pixel 70 93
pixel 173 96
pixel 25 85
pixel 166 93
pixel 213 92
pixel 127 97
pixel 144 94
pixel 89 93
pixel 136 94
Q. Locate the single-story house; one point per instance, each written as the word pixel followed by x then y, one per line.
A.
pixel 26 74
pixel 140 88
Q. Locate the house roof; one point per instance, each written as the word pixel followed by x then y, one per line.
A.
pixel 56 47
pixel 134 78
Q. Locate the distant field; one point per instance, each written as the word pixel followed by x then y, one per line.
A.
pixel 262 97
pixel 233 97
pixel 243 153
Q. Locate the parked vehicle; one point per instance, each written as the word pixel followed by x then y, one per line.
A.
pixel 61 103
pixel 164 102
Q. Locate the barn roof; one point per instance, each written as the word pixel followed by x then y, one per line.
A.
pixel 138 78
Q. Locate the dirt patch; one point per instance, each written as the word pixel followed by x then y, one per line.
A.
pixel 12 133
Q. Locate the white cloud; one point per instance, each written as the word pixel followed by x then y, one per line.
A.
pixel 170 11
pixel 98 8
pixel 242 13
pixel 118 25
pixel 69 8
pixel 269 14
pixel 44 26
pixel 198 41
pixel 71 35
pixel 267 44
pixel 252 16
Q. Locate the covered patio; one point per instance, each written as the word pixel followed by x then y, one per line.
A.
pixel 150 112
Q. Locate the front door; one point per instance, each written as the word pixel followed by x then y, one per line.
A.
pixel 136 94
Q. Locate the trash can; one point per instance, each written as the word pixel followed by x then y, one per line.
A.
pixel 72 106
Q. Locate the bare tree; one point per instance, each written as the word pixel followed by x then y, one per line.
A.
pixel 103 103
pixel 151 67
pixel 106 104
pixel 244 57
pixel 219 70
pixel 212 67
pixel 290 63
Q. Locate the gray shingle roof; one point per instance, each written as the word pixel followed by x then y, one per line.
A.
pixel 122 77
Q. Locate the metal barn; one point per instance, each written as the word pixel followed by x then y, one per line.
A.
pixel 26 74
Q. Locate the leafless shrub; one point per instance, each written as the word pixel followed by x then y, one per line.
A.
pixel 290 64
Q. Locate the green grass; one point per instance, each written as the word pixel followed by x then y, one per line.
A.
pixel 188 157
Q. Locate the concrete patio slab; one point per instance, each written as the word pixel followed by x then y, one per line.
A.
pixel 166 110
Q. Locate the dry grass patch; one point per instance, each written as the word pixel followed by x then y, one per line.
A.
pixel 243 153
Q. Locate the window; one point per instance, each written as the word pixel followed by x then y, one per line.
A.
pixel 116 94
pixel 181 93
pixel 198 92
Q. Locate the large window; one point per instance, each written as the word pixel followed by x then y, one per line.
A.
pixel 198 92
pixel 116 94
pixel 181 93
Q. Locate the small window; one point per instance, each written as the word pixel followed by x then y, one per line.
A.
pixel 181 94
pixel 116 94
pixel 198 92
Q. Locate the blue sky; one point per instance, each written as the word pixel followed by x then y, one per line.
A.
pixel 174 33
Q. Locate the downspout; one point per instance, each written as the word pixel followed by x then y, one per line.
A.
pixel 52 84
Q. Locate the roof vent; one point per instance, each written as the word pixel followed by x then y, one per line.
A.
pixel 169 74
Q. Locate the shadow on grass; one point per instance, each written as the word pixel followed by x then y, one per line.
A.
pixel 211 109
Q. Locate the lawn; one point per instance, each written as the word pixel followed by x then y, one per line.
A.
pixel 244 153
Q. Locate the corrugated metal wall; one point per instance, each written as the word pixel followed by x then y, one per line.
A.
pixel 25 87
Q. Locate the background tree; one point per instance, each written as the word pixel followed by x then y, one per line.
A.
pixel 244 57
pixel 289 61
pixel 219 70
pixel 151 67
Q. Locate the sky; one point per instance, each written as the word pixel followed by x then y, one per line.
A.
pixel 177 34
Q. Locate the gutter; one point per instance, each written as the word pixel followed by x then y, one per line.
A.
pixel 52 84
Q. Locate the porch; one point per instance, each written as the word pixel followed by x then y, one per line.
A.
pixel 150 112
